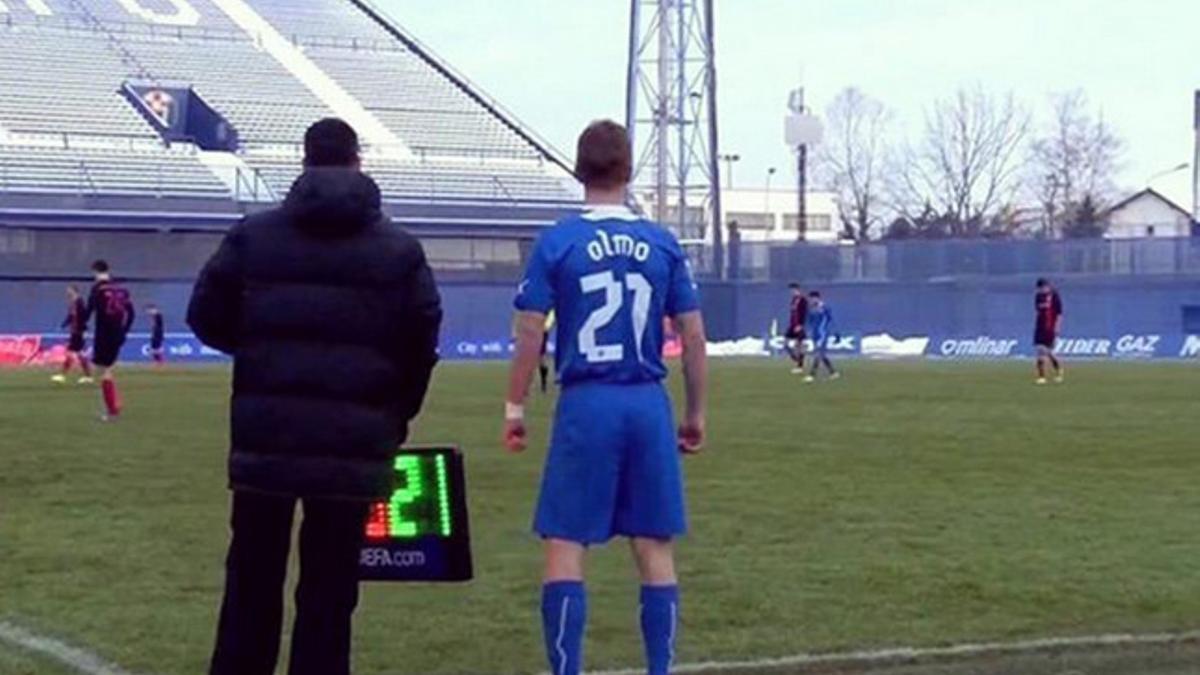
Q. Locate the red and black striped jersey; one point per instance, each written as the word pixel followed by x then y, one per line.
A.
pixel 1049 307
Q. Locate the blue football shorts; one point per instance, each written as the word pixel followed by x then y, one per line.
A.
pixel 614 467
pixel 821 345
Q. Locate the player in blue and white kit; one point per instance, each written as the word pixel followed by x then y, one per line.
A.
pixel 614 463
pixel 820 331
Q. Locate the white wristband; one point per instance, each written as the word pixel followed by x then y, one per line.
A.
pixel 513 412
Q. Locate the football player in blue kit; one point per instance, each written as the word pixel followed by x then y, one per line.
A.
pixel 614 467
pixel 820 329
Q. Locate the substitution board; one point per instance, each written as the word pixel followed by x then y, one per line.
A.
pixel 422 532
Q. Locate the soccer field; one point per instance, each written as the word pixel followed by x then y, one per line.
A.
pixel 910 503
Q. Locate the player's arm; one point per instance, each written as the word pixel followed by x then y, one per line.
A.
pixel 535 300
pixel 683 306
pixel 690 327
pixel 1058 314
pixel 217 297
pixel 530 327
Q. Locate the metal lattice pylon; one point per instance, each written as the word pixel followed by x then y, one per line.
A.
pixel 671 113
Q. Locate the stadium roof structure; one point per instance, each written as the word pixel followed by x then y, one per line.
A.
pixel 187 114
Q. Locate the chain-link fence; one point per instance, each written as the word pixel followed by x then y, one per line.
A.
pixel 936 260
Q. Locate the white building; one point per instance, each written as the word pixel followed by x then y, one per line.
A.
pixel 770 215
pixel 767 215
pixel 1147 214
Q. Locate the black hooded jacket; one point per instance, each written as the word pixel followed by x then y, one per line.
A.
pixel 332 315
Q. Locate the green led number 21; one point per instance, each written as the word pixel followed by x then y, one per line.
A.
pixel 409 467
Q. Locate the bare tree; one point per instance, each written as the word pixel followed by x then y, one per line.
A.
pixel 965 164
pixel 1074 160
pixel 852 159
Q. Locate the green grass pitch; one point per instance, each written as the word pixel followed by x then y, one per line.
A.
pixel 910 503
pixel 16 662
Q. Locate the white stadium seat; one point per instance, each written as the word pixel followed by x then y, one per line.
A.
pixel 65 125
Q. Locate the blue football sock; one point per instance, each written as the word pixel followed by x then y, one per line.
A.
pixel 660 619
pixel 564 615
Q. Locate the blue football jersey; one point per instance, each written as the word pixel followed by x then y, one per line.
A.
pixel 611 277
pixel 820 323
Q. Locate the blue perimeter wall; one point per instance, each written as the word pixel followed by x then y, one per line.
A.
pixel 1094 307
pixel 475 314
pixel 1105 316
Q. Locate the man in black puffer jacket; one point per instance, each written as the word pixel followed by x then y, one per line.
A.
pixel 331 315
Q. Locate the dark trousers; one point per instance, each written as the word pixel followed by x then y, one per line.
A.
pixel 252 610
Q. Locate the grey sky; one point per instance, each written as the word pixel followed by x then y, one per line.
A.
pixel 559 63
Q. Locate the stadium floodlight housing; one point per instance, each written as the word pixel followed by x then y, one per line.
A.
pixel 671 113
pixel 800 130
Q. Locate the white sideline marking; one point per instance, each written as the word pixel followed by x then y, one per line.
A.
pixel 78 659
pixel 903 655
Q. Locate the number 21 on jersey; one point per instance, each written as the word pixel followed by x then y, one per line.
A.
pixel 614 291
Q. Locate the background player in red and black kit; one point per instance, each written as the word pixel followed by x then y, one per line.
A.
pixel 76 323
pixel 157 335
pixel 796 334
pixel 1049 309
pixel 114 315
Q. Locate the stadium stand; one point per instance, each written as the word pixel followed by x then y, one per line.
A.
pixel 85 173
pixel 112 16
pixel 137 169
pixel 407 98
pixel 264 103
pixel 90 168
pixel 320 19
pixel 66 126
pixel 66 83
pixel 426 179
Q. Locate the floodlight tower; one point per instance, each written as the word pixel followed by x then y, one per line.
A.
pixel 1196 157
pixel 800 130
pixel 671 114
